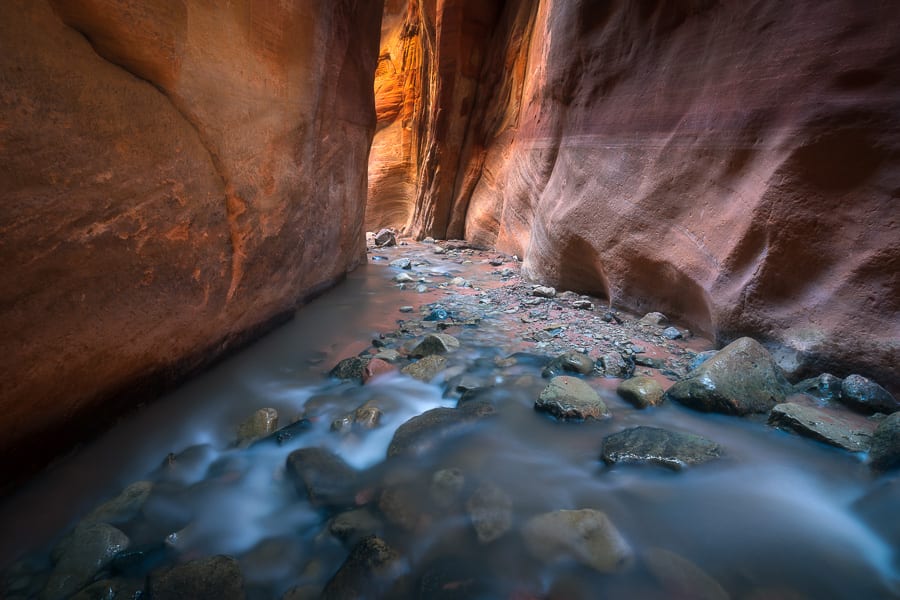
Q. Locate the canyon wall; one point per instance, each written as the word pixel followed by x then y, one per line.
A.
pixel 733 164
pixel 176 177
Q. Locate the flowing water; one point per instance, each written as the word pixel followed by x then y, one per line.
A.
pixel 778 516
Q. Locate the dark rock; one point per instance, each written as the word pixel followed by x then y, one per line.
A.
pixel 569 362
pixel 866 396
pixel 825 386
pixel 286 434
pixel 425 369
pixel 80 555
pixel 138 560
pixel 123 507
pixel 353 525
pixel 672 333
pixel 670 449
pixel 583 305
pixel 817 424
pixel 611 317
pixel 435 343
pixel 569 398
pixel 450 578
pixel 214 578
pixel 878 509
pixel 490 510
pixel 740 379
pixel 323 477
pixel 446 486
pixel 641 392
pixel 401 504
pixel 495 262
pixel 885 449
pixel 351 369
pixel 385 237
pixel 112 589
pixel 424 431
pixel 366 573
pixel 587 536
pixel 646 361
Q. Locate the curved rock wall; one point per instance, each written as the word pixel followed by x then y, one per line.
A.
pixel 732 164
pixel 176 176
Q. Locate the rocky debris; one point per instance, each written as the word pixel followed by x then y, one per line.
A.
pixel 424 431
pixel 376 367
pixel 542 291
pixel 490 509
pixel 385 237
pixel 123 507
pixel 672 333
pixel 366 573
pixel 214 578
pixel 613 365
pixel 820 425
pixel 569 398
pixel 681 578
pixel 403 278
pixel 401 263
pixel 425 369
pixel 571 362
pixel 826 386
pixel 866 396
pixel 446 486
pixel 350 369
pixel 641 391
pixel 742 378
pixel 353 525
pixel 261 423
pixel 884 453
pixel 80 555
pixel 653 318
pixel 671 449
pixel 435 343
pixel 323 477
pixel 586 535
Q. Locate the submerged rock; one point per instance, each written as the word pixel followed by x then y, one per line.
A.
pixel 376 367
pixel 262 422
pixel 820 425
pixel 366 573
pixel 866 396
pixel 323 477
pixel 286 434
pixel 885 449
pixel 641 391
pixel 214 578
pixel 80 555
pixel 490 510
pixel 569 398
pixel 680 577
pixel 586 536
pixel 446 486
pixel 353 525
pixel 123 507
pixel 435 343
pixel 572 362
pixel 425 369
pixel 424 431
pixel 740 379
pixel 671 449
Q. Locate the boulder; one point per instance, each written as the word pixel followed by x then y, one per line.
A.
pixel 885 447
pixel 820 425
pixel 353 525
pixel 571 362
pixel 214 578
pixel 586 536
pixel 641 391
pixel 446 486
pixel 543 291
pixel 385 237
pixel 613 365
pixel 865 396
pixel 569 398
pixel 671 449
pixel 826 386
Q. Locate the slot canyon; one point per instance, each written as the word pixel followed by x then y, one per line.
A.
pixel 496 279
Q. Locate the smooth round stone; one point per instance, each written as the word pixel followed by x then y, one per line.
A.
pixel 641 391
pixel 569 398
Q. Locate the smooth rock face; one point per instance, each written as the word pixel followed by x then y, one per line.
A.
pixel 587 536
pixel 670 449
pixel 217 577
pixel 866 396
pixel 569 398
pixel 820 425
pixel 740 379
pixel 424 431
pixel 168 192
pixel 885 450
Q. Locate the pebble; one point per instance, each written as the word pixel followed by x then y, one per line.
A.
pixel 569 398
pixel 406 309
pixel 542 291
pixel 865 396
pixel 403 278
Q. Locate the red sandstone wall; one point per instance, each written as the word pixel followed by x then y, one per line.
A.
pixel 174 175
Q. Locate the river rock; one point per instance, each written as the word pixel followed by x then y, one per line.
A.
pixel 112 589
pixel 435 343
pixel 388 355
pixel 490 510
pixel 817 424
pixel 572 362
pixel 80 555
pixel 700 358
pixel 123 507
pixel 402 263
pixel 446 486
pixel 865 396
pixel 613 365
pixel 261 423
pixel 587 536
pixel 825 386
pixel 385 237
pixel 214 578
pixel 680 577
pixel 353 525
pixel 641 391
pixel 375 368
pixel 368 570
pixel 671 449
pixel 323 477
pixel 653 318
pixel 424 431
pixel 543 291
pixel 672 333
pixel 425 369
pixel 351 369
pixel 742 378
pixel 368 416
pixel 403 278
pixel 885 449
pixel 569 398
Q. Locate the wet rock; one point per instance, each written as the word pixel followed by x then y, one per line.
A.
pixel 385 237
pixel 425 369
pixel 368 416
pixel 641 391
pixel 646 361
pixel 865 396
pixel 542 291
pixel 587 536
pixel 401 505
pixel 670 449
pixel 214 578
pixel 323 477
pixel 680 577
pixel 403 278
pixel 262 422
pixel 123 507
pixel 388 355
pixel 353 525
pixel 814 423
pixel 135 561
pixel 742 378
pixel 700 358
pixel 402 263
pixel 653 318
pixel 490 510
pixel 569 398
pixel 446 486
pixel 377 367
pixel 437 314
pixel 112 589
pixel 825 386
pixel 583 305
pixel 366 573
pixel 424 431
pixel 672 333
pixel 885 445
pixel 350 369
pixel 80 555
pixel 286 434
pixel 613 365
pixel 571 362
pixel 435 343
pixel 303 592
